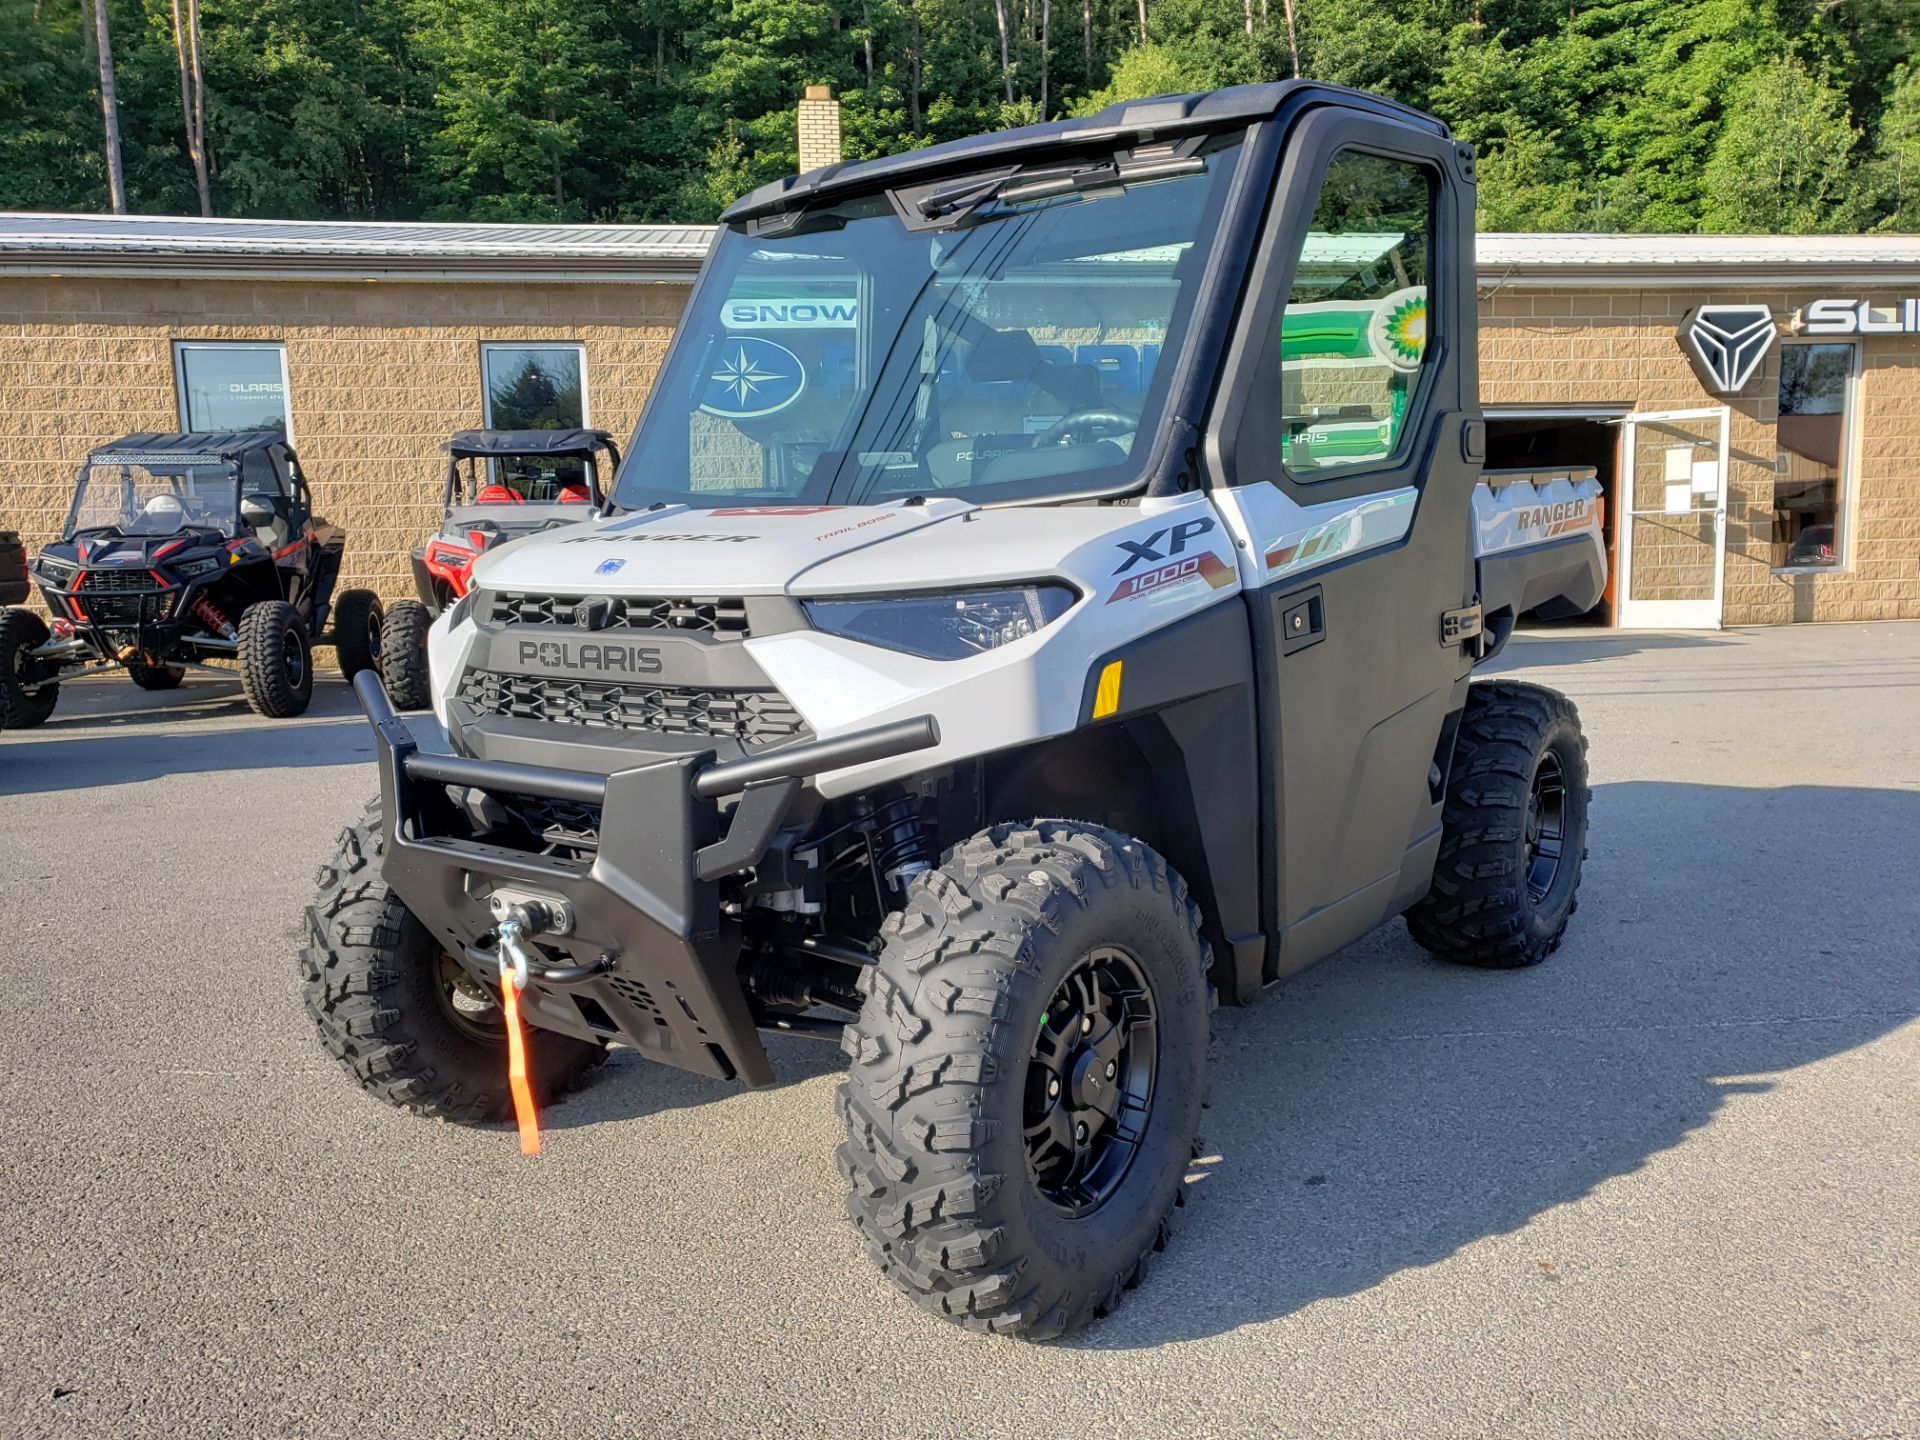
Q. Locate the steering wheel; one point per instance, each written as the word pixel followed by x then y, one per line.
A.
pixel 1062 431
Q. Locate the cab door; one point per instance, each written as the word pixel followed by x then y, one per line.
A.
pixel 1347 434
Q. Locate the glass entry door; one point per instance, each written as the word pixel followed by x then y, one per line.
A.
pixel 1673 539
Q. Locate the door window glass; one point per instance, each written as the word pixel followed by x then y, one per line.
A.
pixel 1811 442
pixel 1352 341
pixel 231 387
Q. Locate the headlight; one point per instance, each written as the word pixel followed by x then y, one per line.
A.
pixel 944 627
pixel 55 572
pixel 192 569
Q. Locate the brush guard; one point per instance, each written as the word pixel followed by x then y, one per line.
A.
pixel 645 948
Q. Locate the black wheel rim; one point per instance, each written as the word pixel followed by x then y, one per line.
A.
pixel 468 1004
pixel 293 654
pixel 373 643
pixel 1546 825
pixel 1089 1091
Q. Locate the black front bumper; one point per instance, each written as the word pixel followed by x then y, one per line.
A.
pixel 649 958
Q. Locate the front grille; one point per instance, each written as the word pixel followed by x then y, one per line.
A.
pixel 752 717
pixel 707 614
pixel 118 582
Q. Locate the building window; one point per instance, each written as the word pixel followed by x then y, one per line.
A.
pixel 1353 335
pixel 535 387
pixel 1816 382
pixel 225 386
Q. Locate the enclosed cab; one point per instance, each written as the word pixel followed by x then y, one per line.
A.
pixel 1045 595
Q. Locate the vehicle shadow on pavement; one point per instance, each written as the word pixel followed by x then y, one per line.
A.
pixel 100 737
pixel 632 1087
pixel 108 701
pixel 1574 646
pixel 1384 1111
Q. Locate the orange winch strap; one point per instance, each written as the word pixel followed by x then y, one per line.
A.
pixel 523 1111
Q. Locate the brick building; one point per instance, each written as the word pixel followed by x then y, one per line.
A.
pixel 1751 403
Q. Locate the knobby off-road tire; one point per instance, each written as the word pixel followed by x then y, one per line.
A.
pixel 381 994
pixel 21 709
pixel 155 677
pixel 276 660
pixel 944 1053
pixel 357 622
pixel 403 655
pixel 1514 831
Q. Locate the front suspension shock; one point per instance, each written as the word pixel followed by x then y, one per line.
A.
pixel 211 617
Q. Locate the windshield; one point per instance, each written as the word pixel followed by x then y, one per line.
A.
pixel 1014 346
pixel 154 495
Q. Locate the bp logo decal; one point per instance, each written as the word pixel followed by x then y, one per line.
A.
pixel 1398 330
pixel 752 377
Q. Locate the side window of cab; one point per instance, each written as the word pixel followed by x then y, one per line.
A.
pixel 1349 348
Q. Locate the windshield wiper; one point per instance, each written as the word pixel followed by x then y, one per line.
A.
pixel 962 194
pixel 1010 187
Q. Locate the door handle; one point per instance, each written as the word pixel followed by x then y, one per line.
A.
pixel 1303 619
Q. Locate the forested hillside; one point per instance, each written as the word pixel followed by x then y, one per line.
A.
pixel 1730 115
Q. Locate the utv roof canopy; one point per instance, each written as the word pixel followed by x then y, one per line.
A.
pixel 1131 121
pixel 205 448
pixel 475 443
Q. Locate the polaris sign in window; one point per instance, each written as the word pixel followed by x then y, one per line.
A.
pixel 231 387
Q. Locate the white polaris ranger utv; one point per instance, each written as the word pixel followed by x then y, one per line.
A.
pixel 1043 592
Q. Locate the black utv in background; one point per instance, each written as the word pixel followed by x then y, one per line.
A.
pixel 183 549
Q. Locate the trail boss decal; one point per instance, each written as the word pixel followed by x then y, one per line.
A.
pixel 604 657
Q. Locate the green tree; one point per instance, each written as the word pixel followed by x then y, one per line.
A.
pixel 527 106
pixel 49 125
pixel 1898 152
pixel 1784 162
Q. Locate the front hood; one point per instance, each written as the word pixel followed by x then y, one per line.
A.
pixel 680 550
pixel 105 552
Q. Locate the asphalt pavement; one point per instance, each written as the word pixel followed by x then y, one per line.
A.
pixel 1665 1184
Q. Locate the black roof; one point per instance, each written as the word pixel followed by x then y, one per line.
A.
pixel 527 442
pixel 1160 116
pixel 224 444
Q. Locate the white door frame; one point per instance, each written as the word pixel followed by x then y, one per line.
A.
pixel 1702 614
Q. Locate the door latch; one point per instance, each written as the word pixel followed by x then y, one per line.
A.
pixel 1459 626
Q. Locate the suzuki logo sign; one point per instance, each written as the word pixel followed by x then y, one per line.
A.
pixel 1726 344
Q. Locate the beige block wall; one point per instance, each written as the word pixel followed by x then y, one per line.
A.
pixel 379 374
pixel 1618 347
